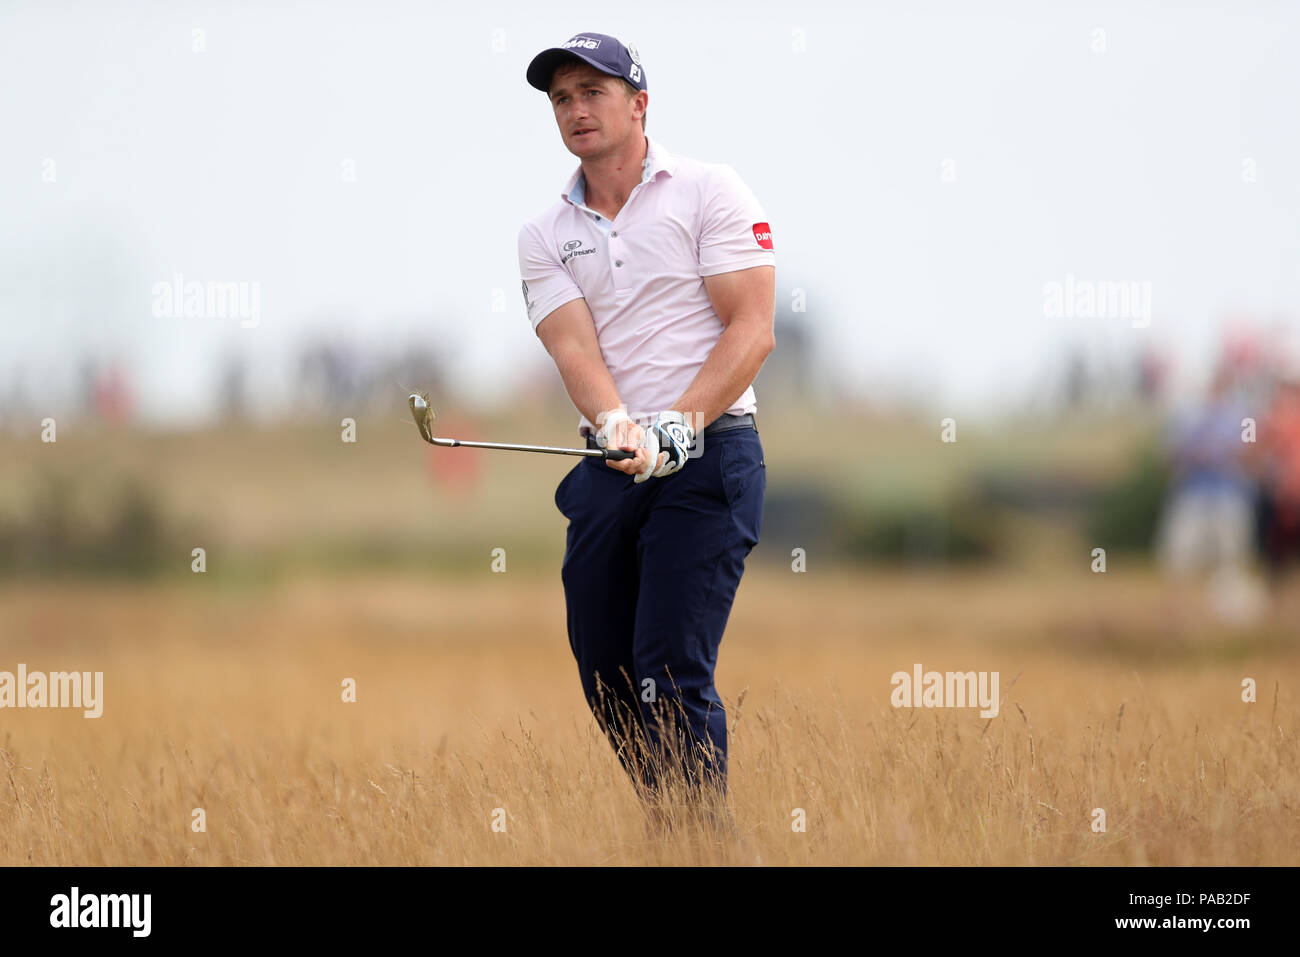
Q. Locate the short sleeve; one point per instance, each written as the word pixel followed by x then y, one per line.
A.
pixel 547 285
pixel 734 233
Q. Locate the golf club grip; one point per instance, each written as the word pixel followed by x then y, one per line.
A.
pixel 617 455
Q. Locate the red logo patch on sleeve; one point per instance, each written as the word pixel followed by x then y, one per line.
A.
pixel 763 233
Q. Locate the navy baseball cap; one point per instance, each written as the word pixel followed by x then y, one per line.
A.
pixel 605 53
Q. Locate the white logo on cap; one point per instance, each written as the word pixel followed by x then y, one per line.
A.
pixel 634 72
pixel 631 51
pixel 587 43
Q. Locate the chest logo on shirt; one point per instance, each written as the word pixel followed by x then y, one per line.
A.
pixel 571 249
pixel 763 234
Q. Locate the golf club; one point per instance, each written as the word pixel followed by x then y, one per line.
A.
pixel 424 421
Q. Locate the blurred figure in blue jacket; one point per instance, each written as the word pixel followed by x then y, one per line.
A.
pixel 1208 523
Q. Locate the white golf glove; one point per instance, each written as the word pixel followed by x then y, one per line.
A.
pixel 671 434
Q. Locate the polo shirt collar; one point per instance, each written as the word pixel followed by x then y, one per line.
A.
pixel 657 159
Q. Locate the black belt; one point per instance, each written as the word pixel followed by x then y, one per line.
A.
pixel 727 422
pixel 723 423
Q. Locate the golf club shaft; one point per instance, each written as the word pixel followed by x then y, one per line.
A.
pixel 614 454
pixel 419 403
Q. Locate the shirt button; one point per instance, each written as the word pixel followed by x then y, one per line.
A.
pixel 618 262
pixel 614 234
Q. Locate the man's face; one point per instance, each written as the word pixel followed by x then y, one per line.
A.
pixel 592 110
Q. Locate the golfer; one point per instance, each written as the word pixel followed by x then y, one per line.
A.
pixel 651 283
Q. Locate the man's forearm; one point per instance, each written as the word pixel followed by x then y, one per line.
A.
pixel 588 382
pixel 729 369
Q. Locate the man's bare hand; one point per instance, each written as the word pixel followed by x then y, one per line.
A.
pixel 619 432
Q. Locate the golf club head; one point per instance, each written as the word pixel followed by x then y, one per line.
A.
pixel 423 415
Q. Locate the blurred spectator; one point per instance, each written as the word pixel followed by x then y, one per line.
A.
pixel 1208 517
pixel 14 407
pixel 234 388
pixel 112 395
pixel 457 473
pixel 1279 454
pixel 1152 375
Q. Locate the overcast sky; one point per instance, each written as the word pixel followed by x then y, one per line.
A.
pixel 926 170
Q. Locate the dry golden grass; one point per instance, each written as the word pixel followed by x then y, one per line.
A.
pixel 468 700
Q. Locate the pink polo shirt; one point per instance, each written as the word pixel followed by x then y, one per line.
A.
pixel 643 273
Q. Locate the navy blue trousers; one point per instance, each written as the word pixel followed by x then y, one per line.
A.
pixel 650 572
